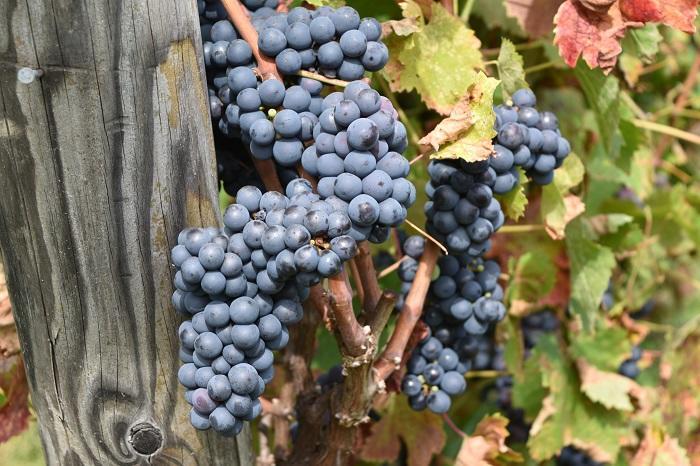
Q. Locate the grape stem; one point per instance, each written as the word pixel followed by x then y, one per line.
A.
pixel 321 78
pixel 352 334
pixel 390 359
pixel 239 17
pixel 267 70
pixel 425 233
pixel 391 268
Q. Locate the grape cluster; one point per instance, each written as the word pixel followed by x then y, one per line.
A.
pixel 274 122
pixel 333 42
pixel 461 305
pixel 242 286
pixel 357 157
pixel 527 139
pixel 462 212
pixel 572 456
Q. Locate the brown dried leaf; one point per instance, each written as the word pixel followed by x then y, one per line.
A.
pixel 555 224
pixel 487 445
pixel 536 17
pixel 14 414
pixel 460 120
pixel 659 449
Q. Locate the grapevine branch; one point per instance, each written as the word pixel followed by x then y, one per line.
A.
pixel 412 309
pixel 353 335
pixel 267 70
pixel 368 276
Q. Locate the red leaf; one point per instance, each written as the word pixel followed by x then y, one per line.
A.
pixel 594 36
pixel 14 414
pixel 679 14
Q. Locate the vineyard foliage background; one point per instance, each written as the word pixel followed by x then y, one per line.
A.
pixel 623 212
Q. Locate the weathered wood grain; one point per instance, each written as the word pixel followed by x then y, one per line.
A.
pixel 102 161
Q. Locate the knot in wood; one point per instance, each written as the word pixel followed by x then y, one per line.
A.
pixel 145 438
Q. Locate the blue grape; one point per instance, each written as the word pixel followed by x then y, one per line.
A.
pixel 322 29
pixel 272 41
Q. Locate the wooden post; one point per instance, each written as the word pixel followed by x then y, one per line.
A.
pixel 104 157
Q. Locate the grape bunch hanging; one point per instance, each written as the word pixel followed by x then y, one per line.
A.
pixel 243 287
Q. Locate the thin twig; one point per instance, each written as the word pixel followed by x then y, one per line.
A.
pixel 352 334
pixel 367 275
pixel 425 233
pixel 485 374
pixel 520 228
pixel 450 423
pixel 539 67
pixel 391 268
pixel 322 78
pixel 467 10
pixel 239 17
pixel 410 314
pixel 680 103
pixel 667 130
pixel 417 158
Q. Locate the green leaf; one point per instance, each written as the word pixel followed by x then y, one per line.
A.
pixel 603 95
pixel 532 278
pixel 591 269
pixel 607 388
pixel 605 349
pixel 440 61
pixel 643 42
pixel 513 348
pixel 3 398
pixel 675 219
pixel 567 416
pixel 494 14
pixel 559 208
pixel 476 142
pixel 510 68
pixel 515 201
pixel 528 388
